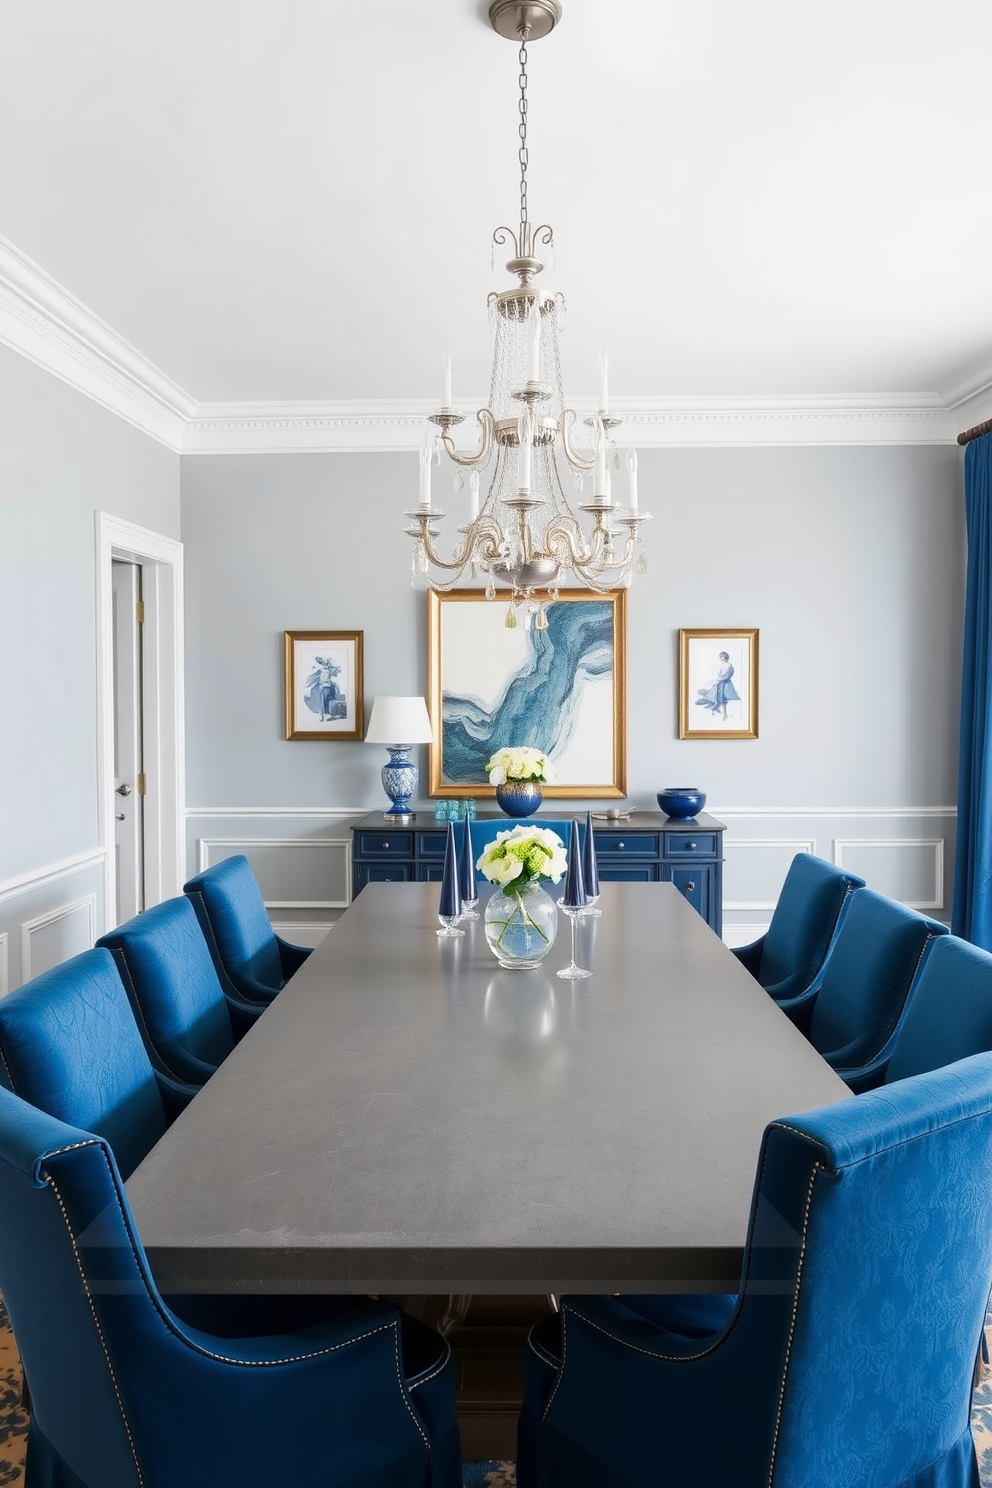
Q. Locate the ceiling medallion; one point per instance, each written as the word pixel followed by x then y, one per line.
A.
pixel 524 532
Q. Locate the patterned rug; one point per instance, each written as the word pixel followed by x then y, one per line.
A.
pixel 14 1425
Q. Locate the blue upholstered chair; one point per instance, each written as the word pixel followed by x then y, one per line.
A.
pixel 950 1012
pixel 484 832
pixel 866 986
pixel 789 958
pixel 69 1044
pixel 849 1355
pixel 124 1393
pixel 252 962
pixel 188 1022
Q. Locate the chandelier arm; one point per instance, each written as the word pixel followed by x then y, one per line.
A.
pixel 482 542
pixel 485 419
pixel 575 460
pixel 500 236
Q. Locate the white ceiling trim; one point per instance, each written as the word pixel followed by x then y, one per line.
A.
pixel 49 326
pixel 648 423
pixel 45 323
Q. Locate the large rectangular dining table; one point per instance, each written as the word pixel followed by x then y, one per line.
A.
pixel 407 1117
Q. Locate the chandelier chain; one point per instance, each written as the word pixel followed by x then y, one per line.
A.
pixel 522 152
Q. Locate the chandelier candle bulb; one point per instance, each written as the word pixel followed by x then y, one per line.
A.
pixel 426 455
pixel 603 368
pixel 599 475
pixel 523 465
pixel 632 488
pixel 446 381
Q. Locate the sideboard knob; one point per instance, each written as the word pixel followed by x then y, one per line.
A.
pixel 385 847
pixel 690 888
pixel 690 847
pixel 621 846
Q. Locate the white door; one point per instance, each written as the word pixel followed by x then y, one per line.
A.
pixel 128 770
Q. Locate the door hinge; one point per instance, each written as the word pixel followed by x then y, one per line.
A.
pixel 139 611
pixel 141 784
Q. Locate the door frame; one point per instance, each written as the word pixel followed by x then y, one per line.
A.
pixel 161 560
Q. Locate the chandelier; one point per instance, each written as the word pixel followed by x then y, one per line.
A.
pixel 525 533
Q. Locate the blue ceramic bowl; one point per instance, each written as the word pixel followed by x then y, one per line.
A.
pixel 681 802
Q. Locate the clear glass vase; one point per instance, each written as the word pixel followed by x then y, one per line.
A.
pixel 521 925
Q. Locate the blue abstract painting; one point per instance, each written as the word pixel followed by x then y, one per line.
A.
pixel 555 689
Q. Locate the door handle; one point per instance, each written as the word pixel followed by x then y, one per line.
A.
pixel 123 790
pixel 119 816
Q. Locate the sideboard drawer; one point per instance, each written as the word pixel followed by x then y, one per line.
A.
pixel 389 845
pixel 433 844
pixel 684 844
pixel 631 844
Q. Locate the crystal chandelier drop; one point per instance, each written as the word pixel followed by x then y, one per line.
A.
pixel 525 534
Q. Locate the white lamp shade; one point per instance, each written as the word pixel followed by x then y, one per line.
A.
pixel 399 720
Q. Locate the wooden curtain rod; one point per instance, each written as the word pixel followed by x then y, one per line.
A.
pixel 976 432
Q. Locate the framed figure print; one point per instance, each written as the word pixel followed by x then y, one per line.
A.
pixel 324 698
pixel 559 687
pixel 718 684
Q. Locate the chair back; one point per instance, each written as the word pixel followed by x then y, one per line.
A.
pixel 75 1283
pixel 169 976
pixel 69 1045
pixel 235 922
pixel 881 947
pixel 950 1013
pixel 888 1198
pixel 484 832
pixel 808 914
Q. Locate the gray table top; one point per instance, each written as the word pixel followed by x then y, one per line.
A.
pixel 409 1117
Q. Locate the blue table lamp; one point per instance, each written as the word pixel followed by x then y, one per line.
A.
pixel 392 719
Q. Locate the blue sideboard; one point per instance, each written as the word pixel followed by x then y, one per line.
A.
pixel 649 848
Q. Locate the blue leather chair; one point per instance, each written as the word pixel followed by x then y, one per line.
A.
pixel 950 1012
pixel 866 986
pixel 124 1393
pixel 189 1024
pixel 789 958
pixel 69 1045
pixel 849 1355
pixel 252 962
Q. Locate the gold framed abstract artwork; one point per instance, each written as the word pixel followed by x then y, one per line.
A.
pixel 559 687
pixel 718 684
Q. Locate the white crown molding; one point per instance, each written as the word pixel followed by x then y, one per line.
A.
pixel 49 326
pixel 650 423
pixel 45 323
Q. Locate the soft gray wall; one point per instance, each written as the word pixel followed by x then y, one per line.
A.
pixel 849 561
pixel 62 458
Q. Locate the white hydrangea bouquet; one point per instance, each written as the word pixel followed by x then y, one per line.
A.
pixel 522 856
pixel 522 763
pixel 520 918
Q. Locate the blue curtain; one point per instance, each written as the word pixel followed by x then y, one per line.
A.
pixel 972 916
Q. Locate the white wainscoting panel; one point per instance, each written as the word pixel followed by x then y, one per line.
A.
pixel 289 869
pixel 4 966
pixel 754 870
pixel 52 938
pixel 910 869
pixel 906 853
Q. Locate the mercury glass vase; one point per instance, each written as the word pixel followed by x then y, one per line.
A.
pixel 521 925
pixel 519 797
